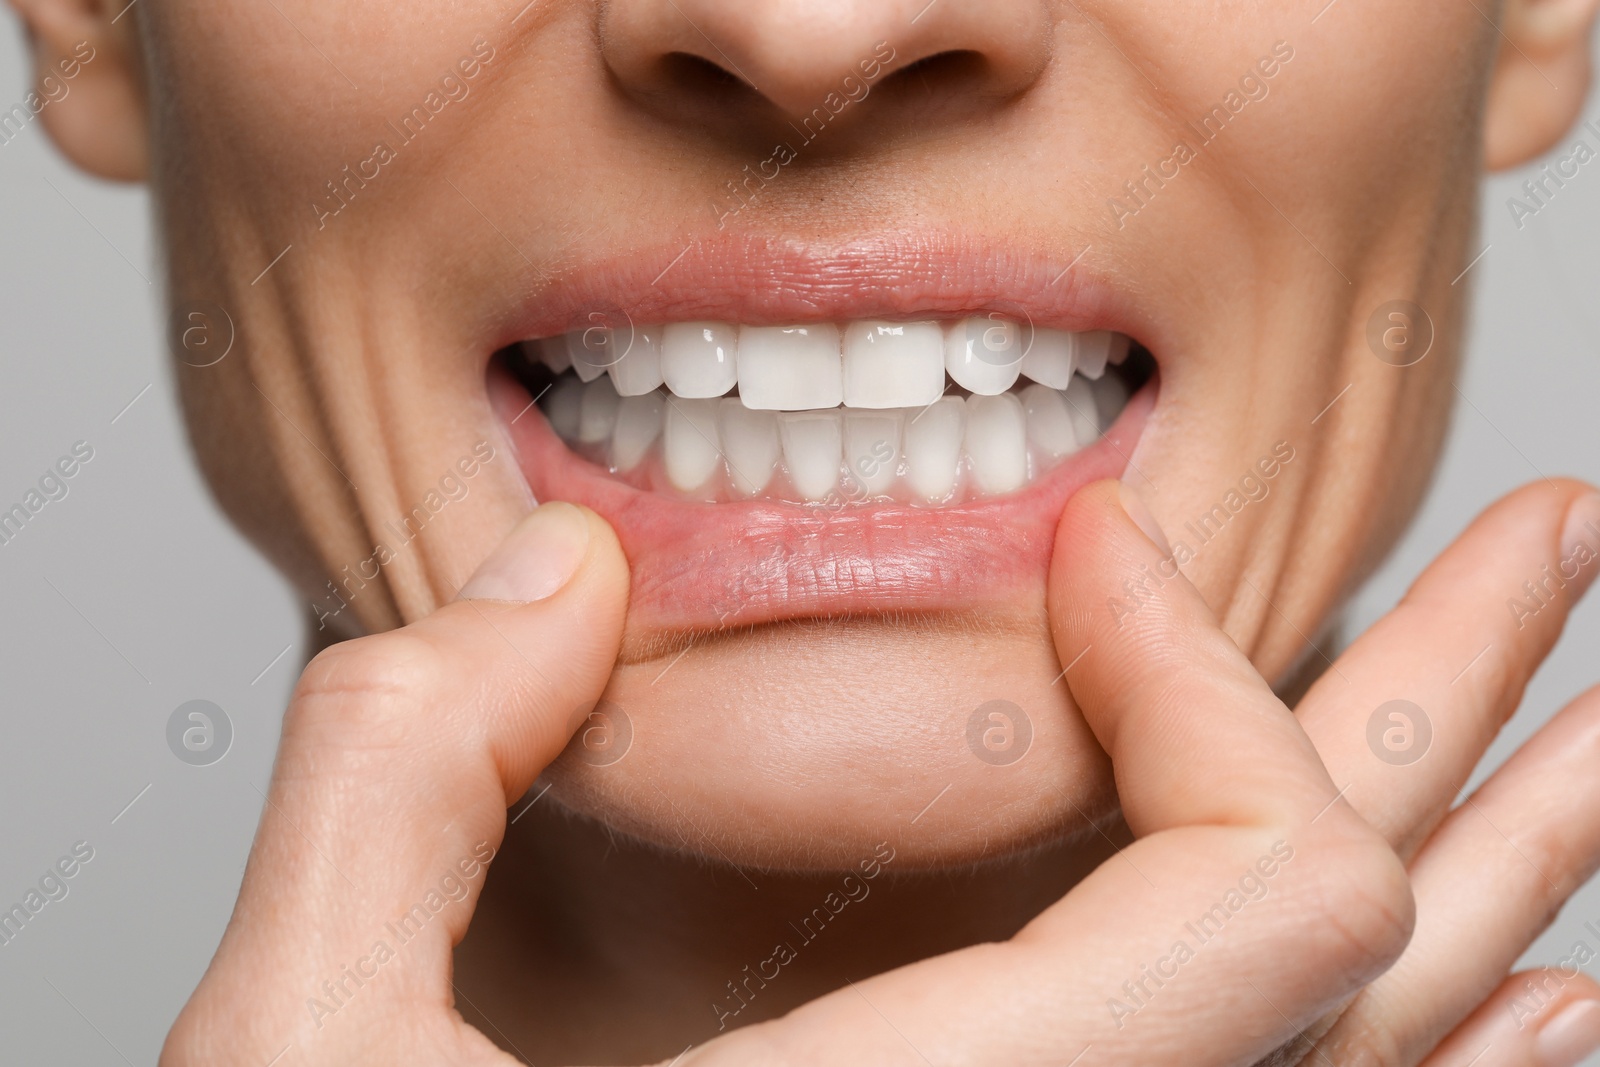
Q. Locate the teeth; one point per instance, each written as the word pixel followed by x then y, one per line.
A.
pixel 872 448
pixel 690 442
pixel 562 407
pixel 1097 348
pixel 700 359
pixel 639 370
pixel 893 364
pixel 896 435
pixel 1121 345
pixel 1110 397
pixel 638 426
pixel 812 446
pixel 1049 360
pixel 597 411
pixel 1082 409
pixel 589 351
pixel 552 352
pixel 790 368
pixel 983 354
pixel 997 442
pixel 1050 426
pixel 750 444
pixel 933 448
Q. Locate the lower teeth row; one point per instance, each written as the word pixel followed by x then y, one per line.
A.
pixel 955 449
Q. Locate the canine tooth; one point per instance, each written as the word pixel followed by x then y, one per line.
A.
pixel 1120 345
pixel 893 364
pixel 639 370
pixel 597 411
pixel 812 446
pixel 750 444
pixel 790 368
pixel 562 407
pixel 872 448
pixel 638 426
pixel 552 352
pixel 589 350
pixel 997 442
pixel 700 359
pixel 1049 359
pixel 933 448
pixel 1095 348
pixel 1050 421
pixel 1083 409
pixel 983 354
pixel 690 442
pixel 1110 397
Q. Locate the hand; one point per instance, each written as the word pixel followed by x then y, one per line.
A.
pixel 399 755
pixel 1231 806
pixel 1223 788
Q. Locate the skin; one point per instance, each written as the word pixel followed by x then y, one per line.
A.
pixel 357 375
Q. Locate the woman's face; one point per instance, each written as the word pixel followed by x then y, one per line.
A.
pixel 1274 201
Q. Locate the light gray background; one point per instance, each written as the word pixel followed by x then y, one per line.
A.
pixel 132 595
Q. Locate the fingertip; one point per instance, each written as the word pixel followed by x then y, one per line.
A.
pixel 1139 514
pixel 540 555
pixel 553 546
pixel 1545 1017
pixel 1085 517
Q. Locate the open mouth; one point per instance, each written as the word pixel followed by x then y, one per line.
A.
pixel 924 413
pixel 795 433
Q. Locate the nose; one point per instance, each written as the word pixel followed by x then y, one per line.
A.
pixel 795 53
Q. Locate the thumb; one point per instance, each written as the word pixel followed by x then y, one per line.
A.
pixel 400 754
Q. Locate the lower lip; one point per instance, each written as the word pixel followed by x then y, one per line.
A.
pixel 699 567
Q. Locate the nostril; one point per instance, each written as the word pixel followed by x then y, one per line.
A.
pixel 955 63
pixel 725 68
pixel 955 72
pixel 698 77
pixel 959 79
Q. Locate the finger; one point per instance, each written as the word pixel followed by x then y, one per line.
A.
pixel 1283 902
pixel 400 753
pixel 1487 883
pixel 1460 647
pixel 1542 1018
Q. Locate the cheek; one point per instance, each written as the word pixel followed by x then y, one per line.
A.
pixel 295 88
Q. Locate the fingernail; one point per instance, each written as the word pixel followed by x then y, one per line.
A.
pixel 1574 1033
pixel 1580 542
pixel 1135 507
pixel 538 557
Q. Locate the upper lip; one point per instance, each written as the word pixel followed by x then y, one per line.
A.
pixel 764 280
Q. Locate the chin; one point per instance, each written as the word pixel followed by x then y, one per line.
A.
pixel 838 503
pixel 804 745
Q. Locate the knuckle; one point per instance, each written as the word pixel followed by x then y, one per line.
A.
pixel 370 684
pixel 1361 905
pixel 1366 1043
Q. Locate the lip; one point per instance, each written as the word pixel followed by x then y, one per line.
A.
pixel 703 567
pixel 700 567
pixel 760 281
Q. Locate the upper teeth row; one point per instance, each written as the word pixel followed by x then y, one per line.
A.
pixel 866 364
